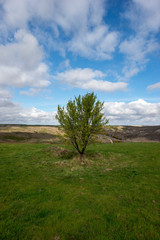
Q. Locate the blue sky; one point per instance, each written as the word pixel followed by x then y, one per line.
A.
pixel 53 50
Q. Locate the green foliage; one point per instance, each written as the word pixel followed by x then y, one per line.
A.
pixel 81 119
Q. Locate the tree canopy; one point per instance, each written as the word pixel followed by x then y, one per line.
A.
pixel 81 119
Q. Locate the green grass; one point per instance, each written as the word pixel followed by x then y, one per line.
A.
pixel 113 194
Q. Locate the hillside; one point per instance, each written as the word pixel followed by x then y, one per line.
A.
pixel 28 133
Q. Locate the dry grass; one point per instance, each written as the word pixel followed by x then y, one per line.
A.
pixel 31 129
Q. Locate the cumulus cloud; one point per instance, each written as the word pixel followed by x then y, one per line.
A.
pixel 145 21
pixel 21 62
pixel 81 23
pixel 30 91
pixel 136 112
pixel 5 97
pixel 154 86
pixel 20 49
pixel 56 13
pixel 98 43
pixel 14 113
pixel 34 115
pixel 136 50
pixel 89 79
pixel 144 16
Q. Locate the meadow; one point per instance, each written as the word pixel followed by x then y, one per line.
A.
pixel 114 193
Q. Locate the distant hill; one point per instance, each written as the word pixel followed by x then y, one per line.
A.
pixel 37 133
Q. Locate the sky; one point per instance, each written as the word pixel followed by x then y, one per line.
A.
pixel 54 50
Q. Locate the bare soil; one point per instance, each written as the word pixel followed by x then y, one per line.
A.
pixel 133 133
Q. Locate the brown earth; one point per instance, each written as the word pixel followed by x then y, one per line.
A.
pixel 133 133
pixel 51 134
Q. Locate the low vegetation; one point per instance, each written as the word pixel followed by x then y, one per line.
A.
pixel 112 194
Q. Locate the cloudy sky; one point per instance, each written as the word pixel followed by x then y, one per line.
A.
pixel 53 50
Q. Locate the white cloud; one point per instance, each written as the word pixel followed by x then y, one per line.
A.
pixel 145 21
pixel 136 112
pixel 23 50
pixel 80 21
pixel 98 43
pixel 31 91
pixel 4 93
pixel 144 15
pixel 12 112
pixel 154 86
pixel 59 13
pixel 89 79
pixel 5 97
pixel 136 51
pixel 34 115
pixel 21 62
pixel 137 48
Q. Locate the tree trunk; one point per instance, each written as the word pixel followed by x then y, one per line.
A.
pixel 81 155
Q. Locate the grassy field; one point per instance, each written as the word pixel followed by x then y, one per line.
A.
pixel 113 194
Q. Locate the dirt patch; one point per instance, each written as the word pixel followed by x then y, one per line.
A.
pixel 27 137
pixel 133 133
pixel 60 152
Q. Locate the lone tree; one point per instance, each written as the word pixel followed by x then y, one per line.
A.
pixel 81 119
